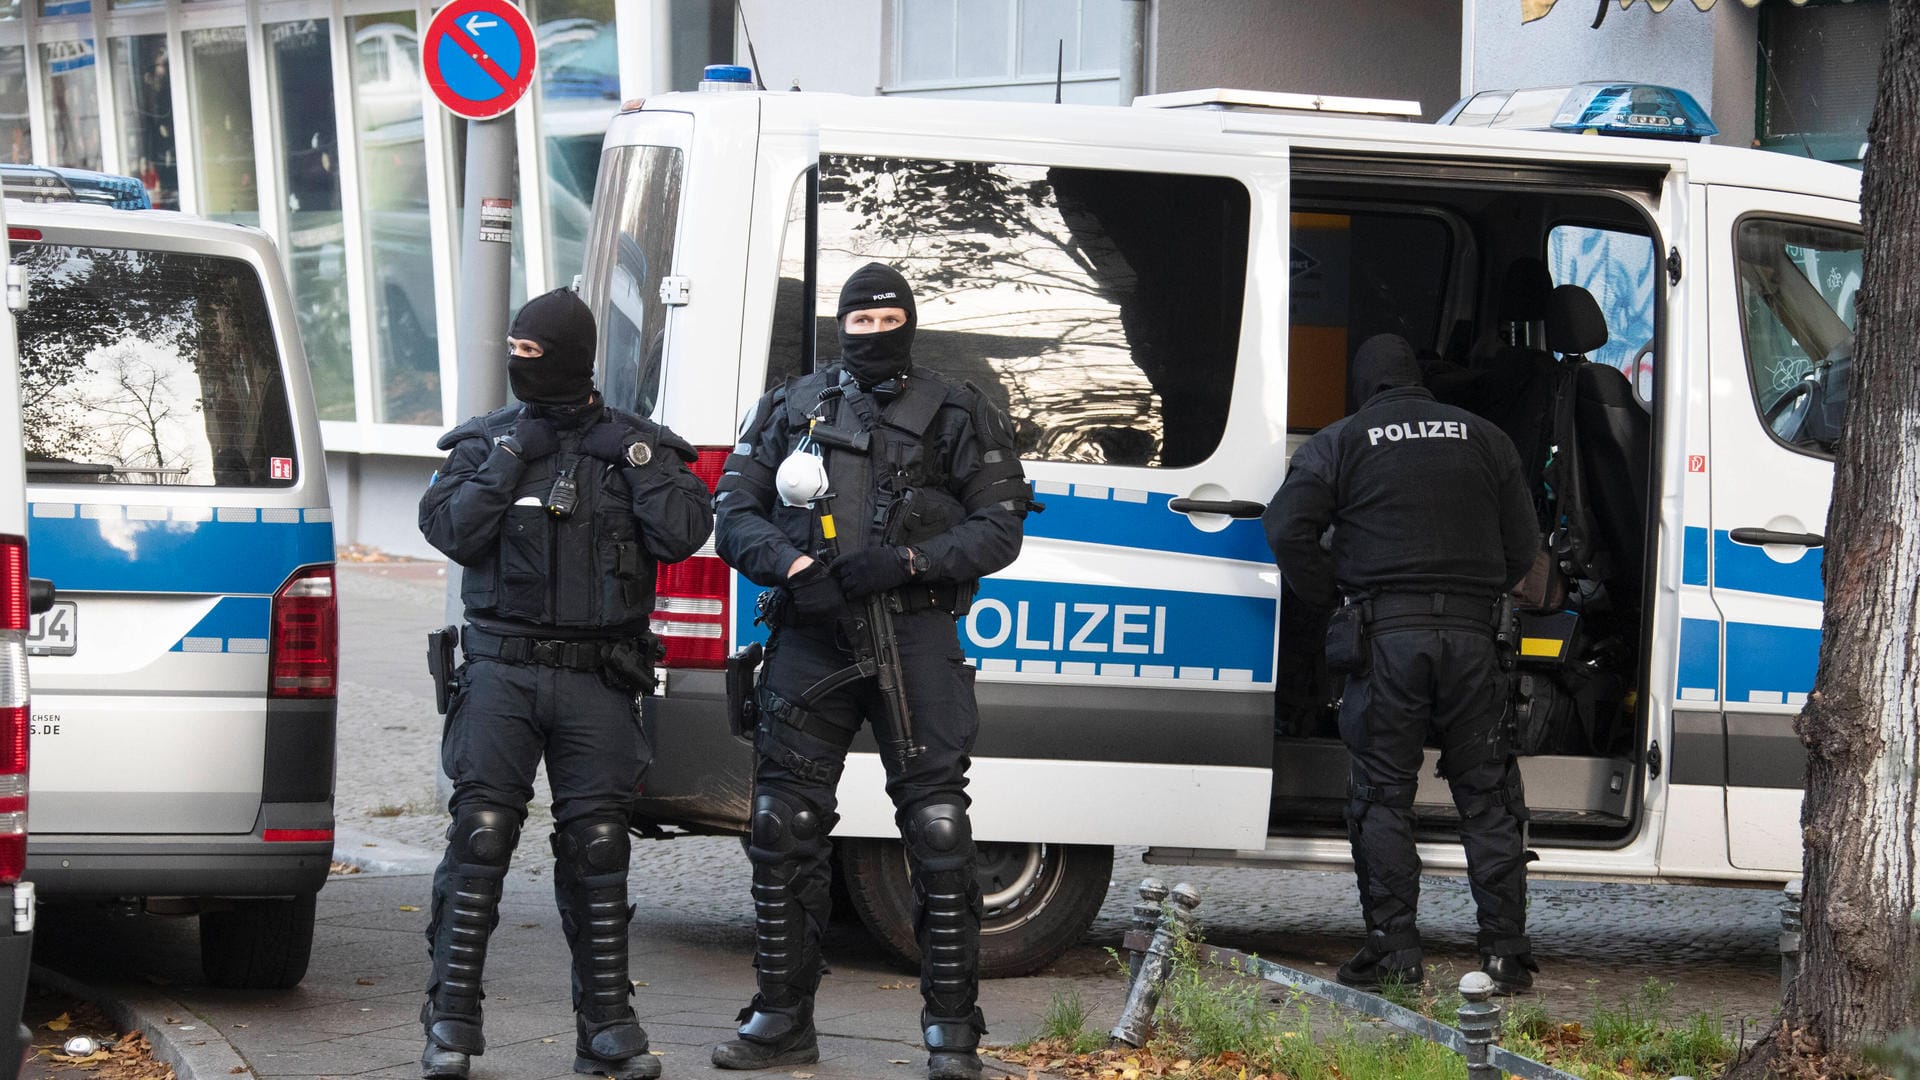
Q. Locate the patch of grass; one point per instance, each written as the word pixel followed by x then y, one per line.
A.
pixel 1642 1035
pixel 1065 1023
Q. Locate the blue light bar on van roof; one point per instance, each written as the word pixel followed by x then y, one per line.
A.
pixel 728 73
pixel 1636 110
pixel 38 183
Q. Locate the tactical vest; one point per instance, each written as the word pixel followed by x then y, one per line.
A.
pixel 888 477
pixel 587 571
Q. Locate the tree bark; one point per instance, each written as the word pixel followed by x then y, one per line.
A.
pixel 1861 725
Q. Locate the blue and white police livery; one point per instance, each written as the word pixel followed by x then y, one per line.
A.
pixel 1165 300
pixel 183 725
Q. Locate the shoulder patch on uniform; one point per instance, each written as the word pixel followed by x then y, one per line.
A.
pixel 988 418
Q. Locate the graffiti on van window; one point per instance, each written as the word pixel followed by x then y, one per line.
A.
pixel 148 368
pixel 1100 308
pixel 1618 269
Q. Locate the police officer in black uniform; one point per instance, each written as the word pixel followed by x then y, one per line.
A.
pixel 559 510
pixel 933 502
pixel 1431 525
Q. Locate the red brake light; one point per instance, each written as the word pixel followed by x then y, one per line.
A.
pixel 15 232
pixel 690 605
pixel 296 836
pixel 13 708
pixel 305 653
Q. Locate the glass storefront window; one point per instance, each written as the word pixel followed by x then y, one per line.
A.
pixel 223 115
pixel 579 94
pixel 16 124
pixel 143 100
pixel 387 97
pixel 300 65
pixel 73 102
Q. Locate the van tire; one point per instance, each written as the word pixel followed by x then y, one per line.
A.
pixel 258 944
pixel 1050 895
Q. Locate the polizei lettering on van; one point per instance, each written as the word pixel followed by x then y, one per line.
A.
pixel 1425 429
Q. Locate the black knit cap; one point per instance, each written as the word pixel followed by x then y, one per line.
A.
pixel 876 285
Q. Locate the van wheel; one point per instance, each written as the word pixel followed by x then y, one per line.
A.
pixel 258 944
pixel 1039 900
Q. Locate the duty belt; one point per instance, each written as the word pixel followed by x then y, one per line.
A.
pixel 571 655
pixel 1401 610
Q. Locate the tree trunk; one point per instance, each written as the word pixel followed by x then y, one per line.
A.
pixel 1861 725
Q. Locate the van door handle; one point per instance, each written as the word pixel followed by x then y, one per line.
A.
pixel 1768 536
pixel 1233 508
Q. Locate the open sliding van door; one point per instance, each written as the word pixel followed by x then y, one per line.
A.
pixel 1785 269
pixel 1098 282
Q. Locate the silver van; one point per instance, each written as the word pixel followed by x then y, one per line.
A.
pixel 183 725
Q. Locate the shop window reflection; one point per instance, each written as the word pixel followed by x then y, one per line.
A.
pixel 73 102
pixel 16 124
pixel 579 94
pixel 300 66
pixel 387 95
pixel 143 100
pixel 217 67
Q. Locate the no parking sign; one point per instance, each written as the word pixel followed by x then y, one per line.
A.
pixel 479 56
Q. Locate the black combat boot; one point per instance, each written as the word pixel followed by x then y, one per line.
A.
pixel 590 889
pixel 1383 959
pixel 466 905
pixel 1510 974
pixel 953 1046
pixel 771 1035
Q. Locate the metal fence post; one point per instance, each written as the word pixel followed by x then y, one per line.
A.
pixel 1479 1025
pixel 1790 899
pixel 1146 916
pixel 1143 996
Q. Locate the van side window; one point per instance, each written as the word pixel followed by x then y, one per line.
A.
pixel 1798 284
pixel 150 367
pixel 794 321
pixel 1618 269
pixel 630 250
pixel 1101 308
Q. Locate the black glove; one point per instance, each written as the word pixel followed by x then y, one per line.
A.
pixel 609 442
pixel 536 437
pixel 870 570
pixel 816 595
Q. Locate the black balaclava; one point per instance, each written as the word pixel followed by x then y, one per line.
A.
pixel 874 358
pixel 1384 362
pixel 560 323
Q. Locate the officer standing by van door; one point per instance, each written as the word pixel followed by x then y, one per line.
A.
pixel 1432 524
pixel 919 495
pixel 559 510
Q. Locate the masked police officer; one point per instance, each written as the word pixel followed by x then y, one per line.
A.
pixel 1431 525
pixel 559 510
pixel 929 496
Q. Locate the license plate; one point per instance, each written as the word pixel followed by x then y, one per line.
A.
pixel 55 631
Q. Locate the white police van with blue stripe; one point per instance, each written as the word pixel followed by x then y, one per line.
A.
pixel 1165 300
pixel 184 714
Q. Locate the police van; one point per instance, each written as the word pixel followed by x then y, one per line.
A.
pixel 183 716
pixel 1165 299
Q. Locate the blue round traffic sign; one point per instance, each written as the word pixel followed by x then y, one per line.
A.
pixel 479 57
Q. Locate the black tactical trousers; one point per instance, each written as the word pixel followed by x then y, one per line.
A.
pixel 797 769
pixel 1448 682
pixel 504 719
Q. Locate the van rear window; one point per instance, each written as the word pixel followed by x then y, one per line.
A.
pixel 150 367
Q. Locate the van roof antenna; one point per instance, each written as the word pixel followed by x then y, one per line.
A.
pixel 1059 69
pixel 751 57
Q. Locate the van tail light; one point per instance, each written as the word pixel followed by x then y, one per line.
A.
pixel 13 708
pixel 304 661
pixel 691 596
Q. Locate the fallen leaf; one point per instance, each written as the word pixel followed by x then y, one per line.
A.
pixel 59 1023
pixel 409 907
pixel 172 1019
pixel 239 1025
pixel 237 1070
pixel 546 1040
pixel 363 981
pixel 801 1076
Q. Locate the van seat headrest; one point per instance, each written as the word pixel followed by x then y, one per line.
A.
pixel 1575 326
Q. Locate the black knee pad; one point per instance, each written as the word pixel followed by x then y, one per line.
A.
pixel 939 836
pixel 484 836
pixel 782 825
pixel 593 845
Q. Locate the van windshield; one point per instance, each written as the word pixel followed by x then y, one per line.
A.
pixel 150 367
pixel 630 250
